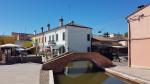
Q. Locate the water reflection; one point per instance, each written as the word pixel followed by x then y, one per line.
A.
pixel 82 72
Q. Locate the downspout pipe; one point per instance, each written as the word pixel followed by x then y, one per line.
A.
pixel 129 43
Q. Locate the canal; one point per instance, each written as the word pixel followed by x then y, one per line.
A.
pixel 85 72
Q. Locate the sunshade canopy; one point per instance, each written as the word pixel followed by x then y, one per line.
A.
pixel 9 45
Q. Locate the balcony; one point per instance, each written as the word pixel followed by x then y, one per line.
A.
pixel 52 42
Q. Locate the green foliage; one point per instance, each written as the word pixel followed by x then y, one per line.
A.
pixel 126 34
pixel 99 32
pixel 7 39
pixel 106 34
pixel 27 44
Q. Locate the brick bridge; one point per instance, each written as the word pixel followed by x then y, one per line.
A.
pixel 58 64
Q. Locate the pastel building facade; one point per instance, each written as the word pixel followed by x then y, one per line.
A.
pixel 70 37
pixel 38 40
pixel 139 37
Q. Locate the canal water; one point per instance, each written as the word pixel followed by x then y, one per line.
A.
pixel 85 72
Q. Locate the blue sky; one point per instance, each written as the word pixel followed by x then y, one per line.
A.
pixel 29 15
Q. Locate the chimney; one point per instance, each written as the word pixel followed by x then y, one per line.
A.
pixel 42 29
pixel 72 22
pixel 141 6
pixel 61 22
pixel 48 26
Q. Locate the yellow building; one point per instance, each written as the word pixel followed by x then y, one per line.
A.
pixel 38 40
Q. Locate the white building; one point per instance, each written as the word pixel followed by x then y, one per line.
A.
pixel 111 35
pixel 70 37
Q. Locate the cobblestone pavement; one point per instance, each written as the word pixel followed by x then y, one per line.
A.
pixel 27 73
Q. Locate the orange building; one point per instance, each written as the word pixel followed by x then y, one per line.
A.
pixel 139 37
pixel 22 36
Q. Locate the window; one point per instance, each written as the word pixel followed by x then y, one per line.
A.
pixel 45 38
pixel 88 49
pixel 39 40
pixel 42 39
pixel 63 36
pixel 53 38
pixel 49 38
pixel 88 37
pixel 36 42
pixel 56 37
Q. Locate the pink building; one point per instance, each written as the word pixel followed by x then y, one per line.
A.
pixel 139 37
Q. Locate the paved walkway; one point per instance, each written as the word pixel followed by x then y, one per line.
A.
pixel 134 74
pixel 44 77
pixel 27 73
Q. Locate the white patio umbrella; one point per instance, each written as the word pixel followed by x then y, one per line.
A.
pixel 20 49
pixel 9 45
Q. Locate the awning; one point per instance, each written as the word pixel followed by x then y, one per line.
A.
pixel 57 46
pixel 30 48
pixel 119 46
pixel 20 49
pixel 9 45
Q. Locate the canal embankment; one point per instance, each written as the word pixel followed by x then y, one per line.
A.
pixel 121 71
pixel 46 77
pixel 141 76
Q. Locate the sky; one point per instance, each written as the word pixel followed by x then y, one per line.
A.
pixel 102 15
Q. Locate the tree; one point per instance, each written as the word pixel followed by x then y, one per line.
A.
pixel 27 44
pixel 99 32
pixel 7 39
pixel 106 34
pixel 126 34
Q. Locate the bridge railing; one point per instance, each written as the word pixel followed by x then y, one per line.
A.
pixel 60 56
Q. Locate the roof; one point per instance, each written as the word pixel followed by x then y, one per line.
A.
pixel 13 33
pixel 120 38
pixel 119 46
pixel 101 38
pixel 69 24
pixel 77 25
pixel 139 9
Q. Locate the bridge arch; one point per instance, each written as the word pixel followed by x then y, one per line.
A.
pixel 58 64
